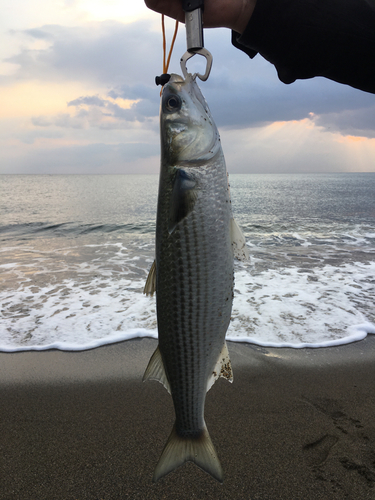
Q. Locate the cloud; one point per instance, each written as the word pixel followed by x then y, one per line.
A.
pixel 243 105
pixel 97 112
pixel 295 146
pixel 134 91
pixel 241 92
pixel 350 121
pixel 246 93
pixel 31 136
pixel 109 53
pixel 86 159
pixel 63 120
pixel 39 34
pixel 41 121
pixel 93 100
pixel 111 123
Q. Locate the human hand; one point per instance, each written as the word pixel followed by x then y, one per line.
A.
pixel 233 14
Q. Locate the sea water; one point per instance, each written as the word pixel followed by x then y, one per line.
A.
pixel 76 250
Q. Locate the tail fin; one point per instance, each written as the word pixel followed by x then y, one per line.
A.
pixel 179 450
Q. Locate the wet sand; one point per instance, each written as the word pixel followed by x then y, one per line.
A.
pixel 296 424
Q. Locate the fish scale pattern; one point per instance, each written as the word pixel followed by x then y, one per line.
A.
pixel 194 290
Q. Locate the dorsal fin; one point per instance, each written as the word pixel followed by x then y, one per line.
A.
pixel 240 250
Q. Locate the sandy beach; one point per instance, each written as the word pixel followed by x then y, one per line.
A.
pixel 295 424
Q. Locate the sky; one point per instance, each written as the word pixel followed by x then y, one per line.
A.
pixel 78 96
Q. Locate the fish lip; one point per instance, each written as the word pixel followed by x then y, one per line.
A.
pixel 209 152
pixel 176 128
pixel 172 123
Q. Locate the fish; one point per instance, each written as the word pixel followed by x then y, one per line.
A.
pixel 193 272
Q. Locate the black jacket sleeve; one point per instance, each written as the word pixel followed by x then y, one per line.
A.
pixel 307 38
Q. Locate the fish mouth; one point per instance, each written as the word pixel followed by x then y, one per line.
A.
pixel 177 127
pixel 191 143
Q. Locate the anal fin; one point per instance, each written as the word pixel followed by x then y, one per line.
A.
pixel 223 368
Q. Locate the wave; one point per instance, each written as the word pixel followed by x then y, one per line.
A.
pixel 69 346
pixel 357 333
pixel 34 230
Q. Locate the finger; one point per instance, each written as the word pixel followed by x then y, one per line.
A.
pixel 170 8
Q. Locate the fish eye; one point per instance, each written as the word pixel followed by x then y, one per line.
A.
pixel 172 103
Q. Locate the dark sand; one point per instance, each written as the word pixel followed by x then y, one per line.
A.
pixel 296 424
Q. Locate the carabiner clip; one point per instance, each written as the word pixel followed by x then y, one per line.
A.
pixel 203 52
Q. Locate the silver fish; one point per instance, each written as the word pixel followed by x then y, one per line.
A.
pixel 196 239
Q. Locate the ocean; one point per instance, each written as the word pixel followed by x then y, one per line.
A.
pixel 76 250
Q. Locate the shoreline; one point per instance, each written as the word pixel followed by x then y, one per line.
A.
pixel 361 332
pixel 294 424
pixel 128 360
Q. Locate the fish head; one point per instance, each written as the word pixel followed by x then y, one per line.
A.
pixel 188 132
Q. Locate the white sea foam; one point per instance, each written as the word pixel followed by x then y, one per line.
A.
pixel 102 304
pixel 85 304
pixel 294 307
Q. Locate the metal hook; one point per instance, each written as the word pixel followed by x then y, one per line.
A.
pixel 203 52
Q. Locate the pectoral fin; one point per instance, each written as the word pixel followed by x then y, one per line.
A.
pixel 223 368
pixel 184 195
pixel 150 286
pixel 240 250
pixel 155 370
